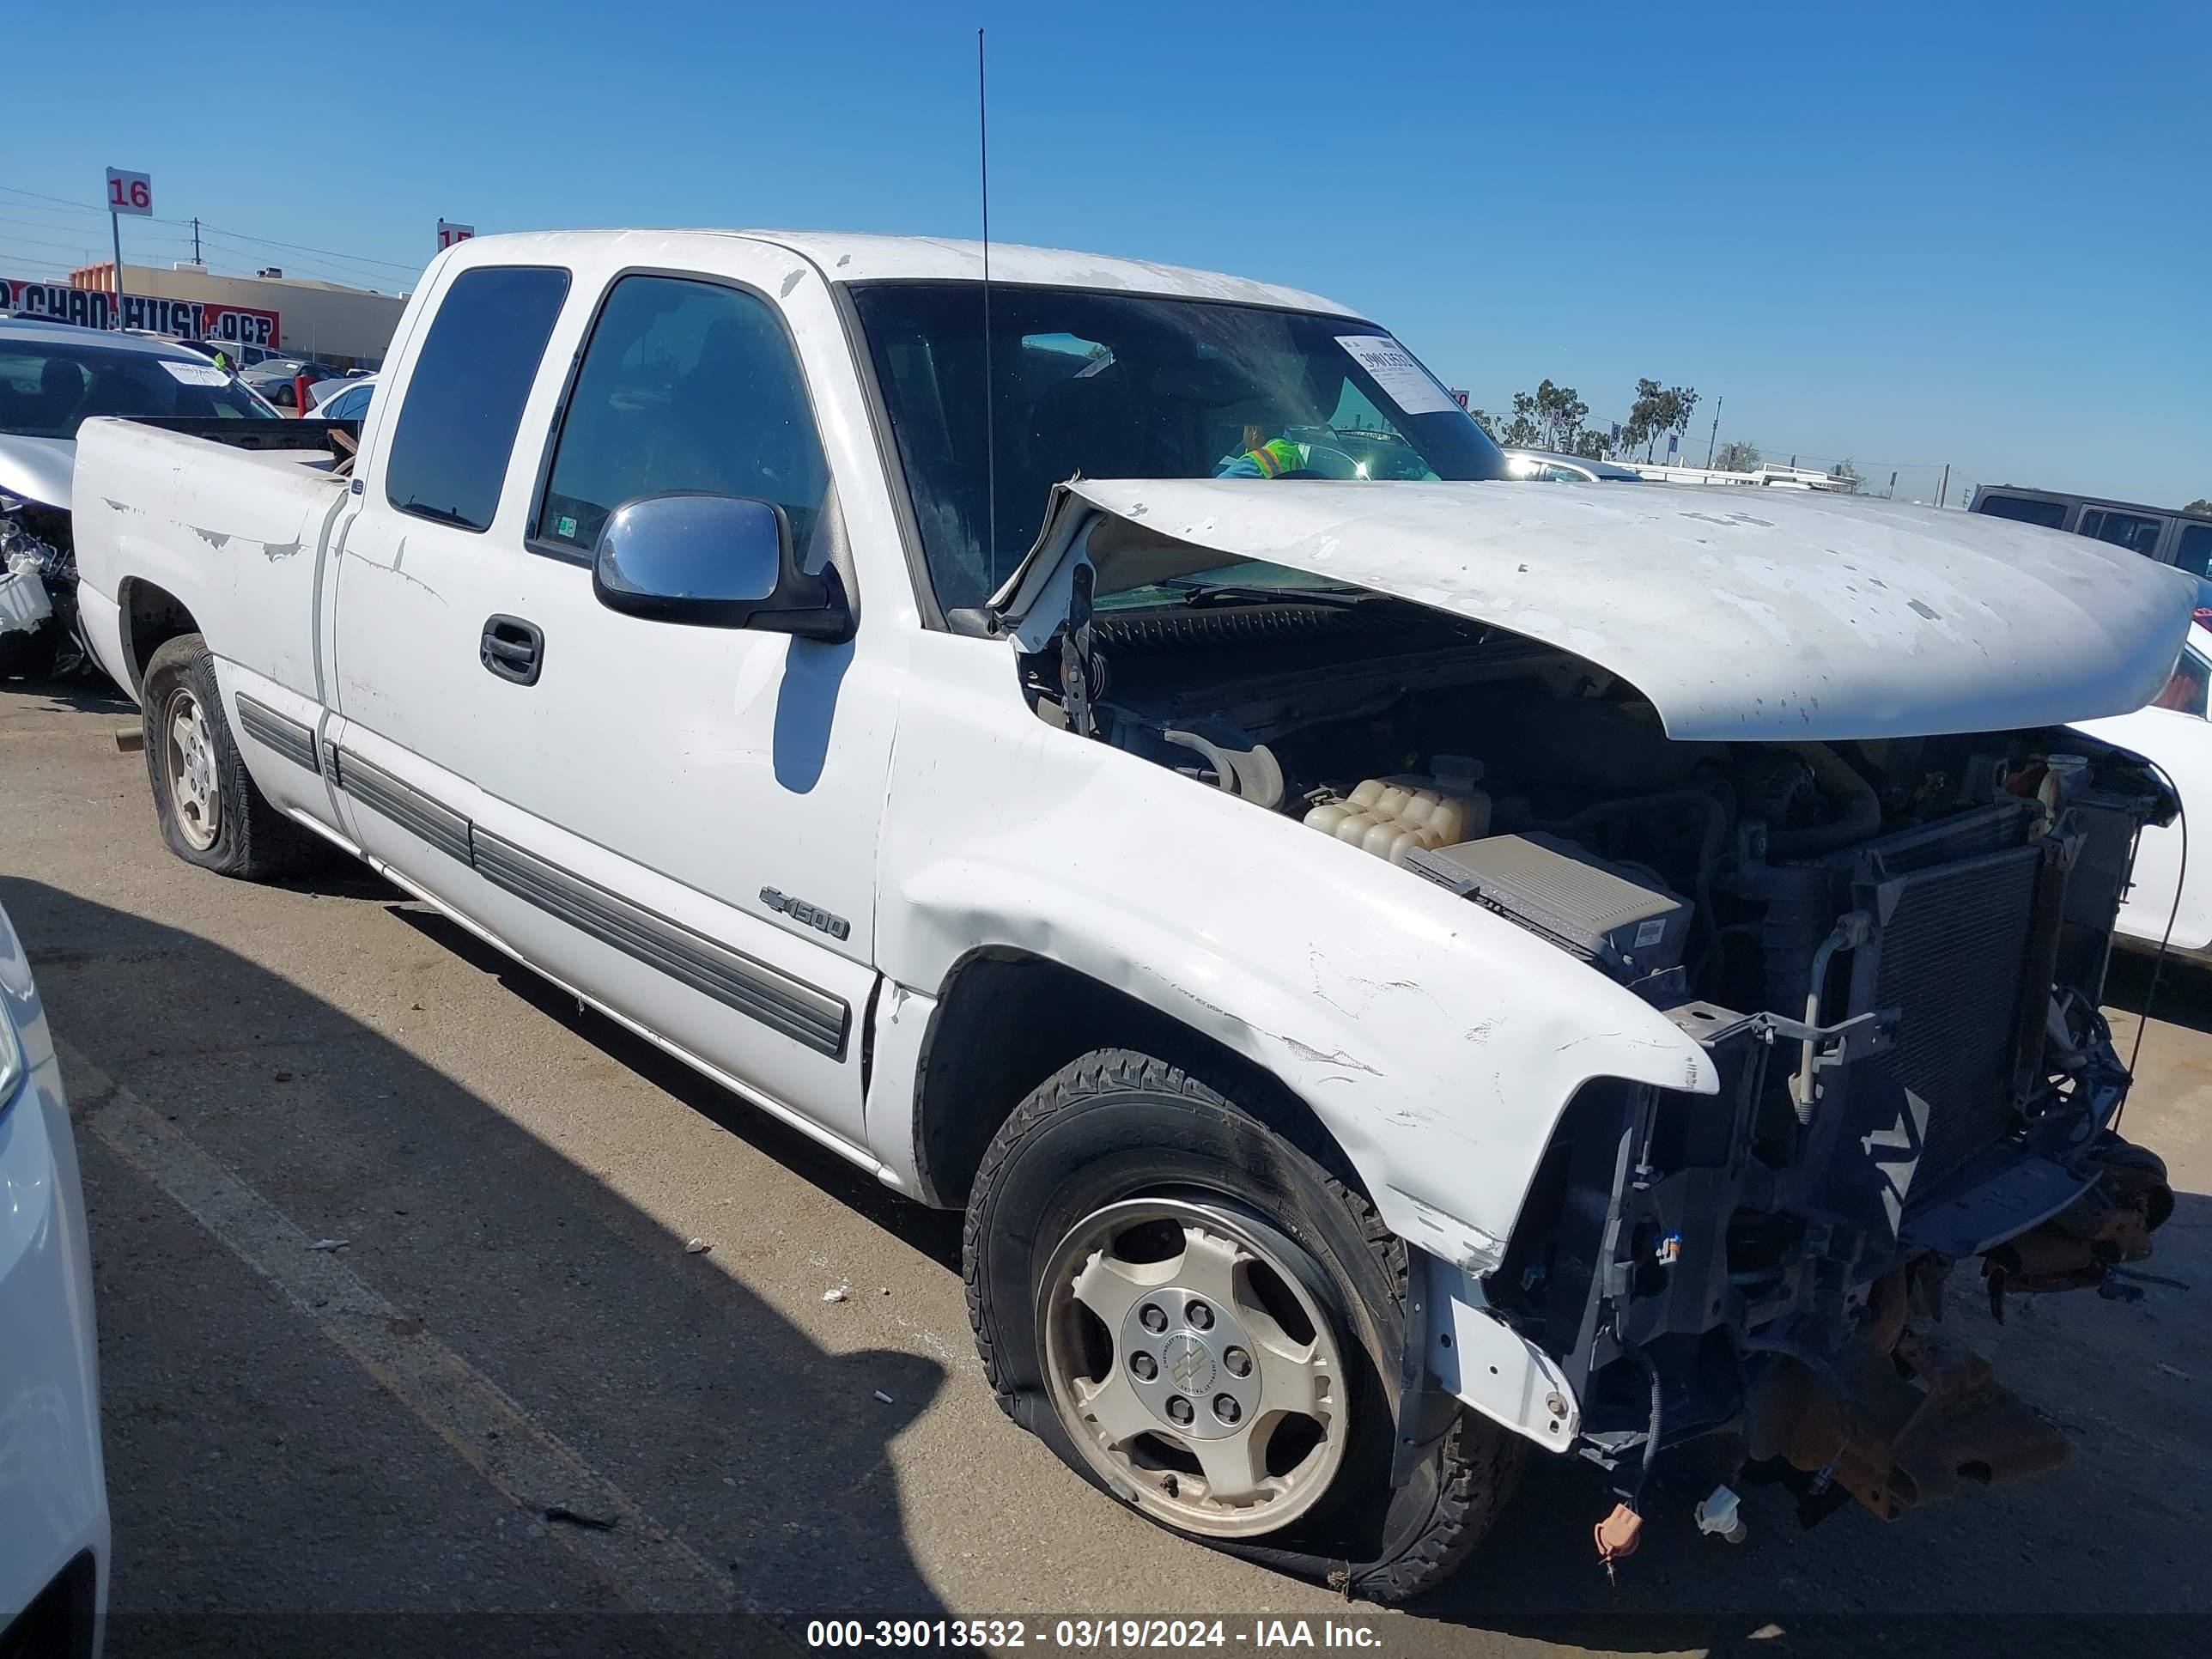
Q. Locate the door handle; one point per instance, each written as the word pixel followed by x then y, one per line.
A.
pixel 512 649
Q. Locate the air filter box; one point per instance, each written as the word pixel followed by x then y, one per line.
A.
pixel 1619 921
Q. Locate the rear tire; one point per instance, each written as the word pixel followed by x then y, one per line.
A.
pixel 1126 1156
pixel 211 813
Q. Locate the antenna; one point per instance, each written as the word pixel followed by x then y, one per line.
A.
pixel 990 430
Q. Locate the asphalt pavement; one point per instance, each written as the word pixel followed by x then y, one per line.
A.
pixel 439 1315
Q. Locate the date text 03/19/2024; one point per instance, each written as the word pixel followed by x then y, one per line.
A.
pixel 1260 1635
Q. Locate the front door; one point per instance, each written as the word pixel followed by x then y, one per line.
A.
pixel 680 820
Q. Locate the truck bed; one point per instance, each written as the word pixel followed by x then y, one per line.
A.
pixel 227 517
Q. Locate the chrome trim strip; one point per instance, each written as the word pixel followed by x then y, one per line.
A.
pixel 405 804
pixel 294 741
pixel 753 988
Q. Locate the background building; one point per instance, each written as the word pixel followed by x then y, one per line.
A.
pixel 351 327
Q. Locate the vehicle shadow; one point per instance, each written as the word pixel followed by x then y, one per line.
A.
pixel 260 1478
pixel 935 1233
pixel 90 693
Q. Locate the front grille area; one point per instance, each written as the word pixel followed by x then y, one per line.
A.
pixel 1951 956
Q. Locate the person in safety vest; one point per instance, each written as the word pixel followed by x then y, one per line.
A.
pixel 1268 459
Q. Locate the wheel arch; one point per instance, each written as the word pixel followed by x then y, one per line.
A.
pixel 152 616
pixel 1007 1019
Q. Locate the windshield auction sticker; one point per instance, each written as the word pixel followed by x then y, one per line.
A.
pixel 197 374
pixel 1403 380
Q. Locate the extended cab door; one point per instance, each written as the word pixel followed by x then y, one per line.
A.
pixel 679 820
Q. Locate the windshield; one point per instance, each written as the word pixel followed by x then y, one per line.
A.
pixel 1116 385
pixel 49 388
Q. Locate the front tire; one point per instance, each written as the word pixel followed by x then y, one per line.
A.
pixel 210 811
pixel 1200 1318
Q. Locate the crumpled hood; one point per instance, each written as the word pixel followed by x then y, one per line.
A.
pixel 1740 613
pixel 38 469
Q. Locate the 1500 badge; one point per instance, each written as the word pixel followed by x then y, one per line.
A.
pixel 806 914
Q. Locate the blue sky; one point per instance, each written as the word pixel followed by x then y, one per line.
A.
pixel 1906 234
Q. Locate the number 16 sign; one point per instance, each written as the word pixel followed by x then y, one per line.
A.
pixel 130 192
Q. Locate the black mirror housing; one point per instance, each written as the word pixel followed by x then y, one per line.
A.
pixel 707 560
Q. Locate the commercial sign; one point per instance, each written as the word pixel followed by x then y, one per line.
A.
pixel 182 320
pixel 449 234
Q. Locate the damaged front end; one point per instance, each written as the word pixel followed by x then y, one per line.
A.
pixel 39 631
pixel 1805 784
pixel 1925 1082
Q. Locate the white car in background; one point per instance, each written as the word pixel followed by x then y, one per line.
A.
pixel 1556 466
pixel 2175 733
pixel 342 400
pixel 53 1486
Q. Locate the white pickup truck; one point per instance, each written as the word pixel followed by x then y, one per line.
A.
pixel 1399 965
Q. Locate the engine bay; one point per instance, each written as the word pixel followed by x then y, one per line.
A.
pixel 1401 731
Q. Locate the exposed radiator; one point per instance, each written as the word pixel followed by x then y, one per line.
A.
pixel 1952 951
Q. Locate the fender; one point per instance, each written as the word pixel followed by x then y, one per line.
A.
pixel 1436 1042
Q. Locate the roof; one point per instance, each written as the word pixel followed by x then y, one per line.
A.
pixel 107 338
pixel 849 258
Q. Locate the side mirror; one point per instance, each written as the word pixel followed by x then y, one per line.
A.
pixel 714 561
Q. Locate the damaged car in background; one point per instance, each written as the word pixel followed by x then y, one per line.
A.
pixel 53 378
pixel 1397 964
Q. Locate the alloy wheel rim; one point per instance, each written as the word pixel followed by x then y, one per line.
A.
pixel 1191 1368
pixel 190 748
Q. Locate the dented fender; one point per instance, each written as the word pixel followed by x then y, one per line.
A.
pixel 1436 1042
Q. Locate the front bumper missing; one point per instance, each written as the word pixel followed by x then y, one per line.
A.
pixel 1897 1441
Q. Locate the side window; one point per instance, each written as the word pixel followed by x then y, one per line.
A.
pixel 2129 529
pixel 2050 514
pixel 465 399
pixel 684 386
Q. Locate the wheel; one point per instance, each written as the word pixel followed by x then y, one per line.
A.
pixel 1200 1318
pixel 211 813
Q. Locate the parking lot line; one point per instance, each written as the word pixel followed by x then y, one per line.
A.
pixel 652 1570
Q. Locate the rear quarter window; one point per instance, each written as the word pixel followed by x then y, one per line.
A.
pixel 463 401
pixel 2023 510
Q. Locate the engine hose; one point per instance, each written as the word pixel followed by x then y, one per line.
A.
pixel 1837 778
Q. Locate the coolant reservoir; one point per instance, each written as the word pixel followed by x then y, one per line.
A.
pixel 1389 816
pixel 1326 817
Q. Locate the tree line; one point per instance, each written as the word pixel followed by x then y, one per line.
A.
pixel 1551 416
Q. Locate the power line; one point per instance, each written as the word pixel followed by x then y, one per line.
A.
pixel 97 213
pixel 73 249
pixel 324 253
pixel 360 275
